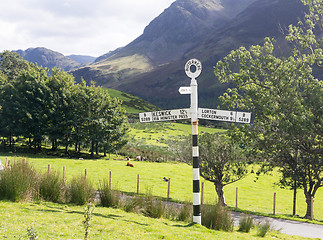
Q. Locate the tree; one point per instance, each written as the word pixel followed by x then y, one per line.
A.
pixel 12 64
pixel 287 103
pixel 221 161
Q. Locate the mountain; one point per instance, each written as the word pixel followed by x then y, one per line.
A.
pixel 165 39
pixel 47 58
pixel 82 59
pixel 152 66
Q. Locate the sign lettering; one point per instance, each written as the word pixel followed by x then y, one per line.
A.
pixel 165 115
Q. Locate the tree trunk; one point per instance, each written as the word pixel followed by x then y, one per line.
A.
pixel 294 198
pixel 309 207
pixel 220 191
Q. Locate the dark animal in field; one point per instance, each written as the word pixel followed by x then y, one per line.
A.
pixel 130 164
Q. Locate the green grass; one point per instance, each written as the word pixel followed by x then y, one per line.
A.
pixel 132 104
pixel 158 133
pixel 54 221
pixel 256 197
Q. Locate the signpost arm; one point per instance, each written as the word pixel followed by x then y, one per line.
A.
pixel 195 154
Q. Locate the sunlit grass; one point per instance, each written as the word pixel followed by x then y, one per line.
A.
pixel 54 221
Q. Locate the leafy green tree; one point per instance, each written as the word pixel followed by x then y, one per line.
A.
pixel 30 97
pixel 61 116
pixel 12 64
pixel 286 100
pixel 222 162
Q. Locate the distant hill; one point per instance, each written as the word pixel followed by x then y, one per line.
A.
pixel 82 59
pixel 50 59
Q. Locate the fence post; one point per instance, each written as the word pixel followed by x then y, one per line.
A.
pixel 64 175
pixel 138 184
pixel 236 197
pixel 6 162
pixel 274 208
pixel 110 179
pixel 202 193
pixel 85 173
pixel 48 170
pixel 168 190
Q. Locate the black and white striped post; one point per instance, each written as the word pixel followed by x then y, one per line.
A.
pixel 193 74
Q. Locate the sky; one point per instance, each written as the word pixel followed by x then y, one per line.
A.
pixel 82 27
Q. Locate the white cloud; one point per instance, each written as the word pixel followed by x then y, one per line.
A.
pixel 89 27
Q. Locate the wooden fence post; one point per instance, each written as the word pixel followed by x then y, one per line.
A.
pixel 236 197
pixel 202 193
pixel 6 162
pixel 274 208
pixel 138 184
pixel 168 190
pixel 48 170
pixel 110 179
pixel 64 175
pixel 85 173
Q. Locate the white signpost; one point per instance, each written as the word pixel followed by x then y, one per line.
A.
pixel 193 69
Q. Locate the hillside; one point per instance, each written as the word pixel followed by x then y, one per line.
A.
pixel 48 58
pixel 132 104
pixel 152 66
pixel 164 40
pixel 261 19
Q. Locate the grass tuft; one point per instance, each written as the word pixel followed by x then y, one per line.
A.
pixel 217 217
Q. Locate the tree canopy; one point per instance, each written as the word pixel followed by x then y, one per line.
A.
pixel 286 100
pixel 37 106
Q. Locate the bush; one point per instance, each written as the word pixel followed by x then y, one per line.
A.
pixel 109 197
pixel 185 213
pixel 79 191
pixel 17 182
pixel 153 208
pixel 263 228
pixel 50 187
pixel 245 223
pixel 217 217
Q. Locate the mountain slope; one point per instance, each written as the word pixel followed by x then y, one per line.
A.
pixel 263 18
pixel 164 40
pixel 48 58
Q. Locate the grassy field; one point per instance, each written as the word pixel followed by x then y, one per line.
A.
pixel 253 196
pixel 158 133
pixel 54 221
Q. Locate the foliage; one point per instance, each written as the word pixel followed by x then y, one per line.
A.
pixel 79 190
pixel 88 213
pixel 50 186
pixel 221 161
pixel 217 217
pixel 17 182
pixel 32 233
pixel 35 106
pixel 245 223
pixel 108 196
pixel 263 228
pixel 286 100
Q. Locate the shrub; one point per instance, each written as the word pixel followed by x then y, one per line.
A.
pixel 109 197
pixel 217 217
pixel 79 191
pixel 50 186
pixel 185 213
pixel 17 182
pixel 153 207
pixel 263 228
pixel 245 223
